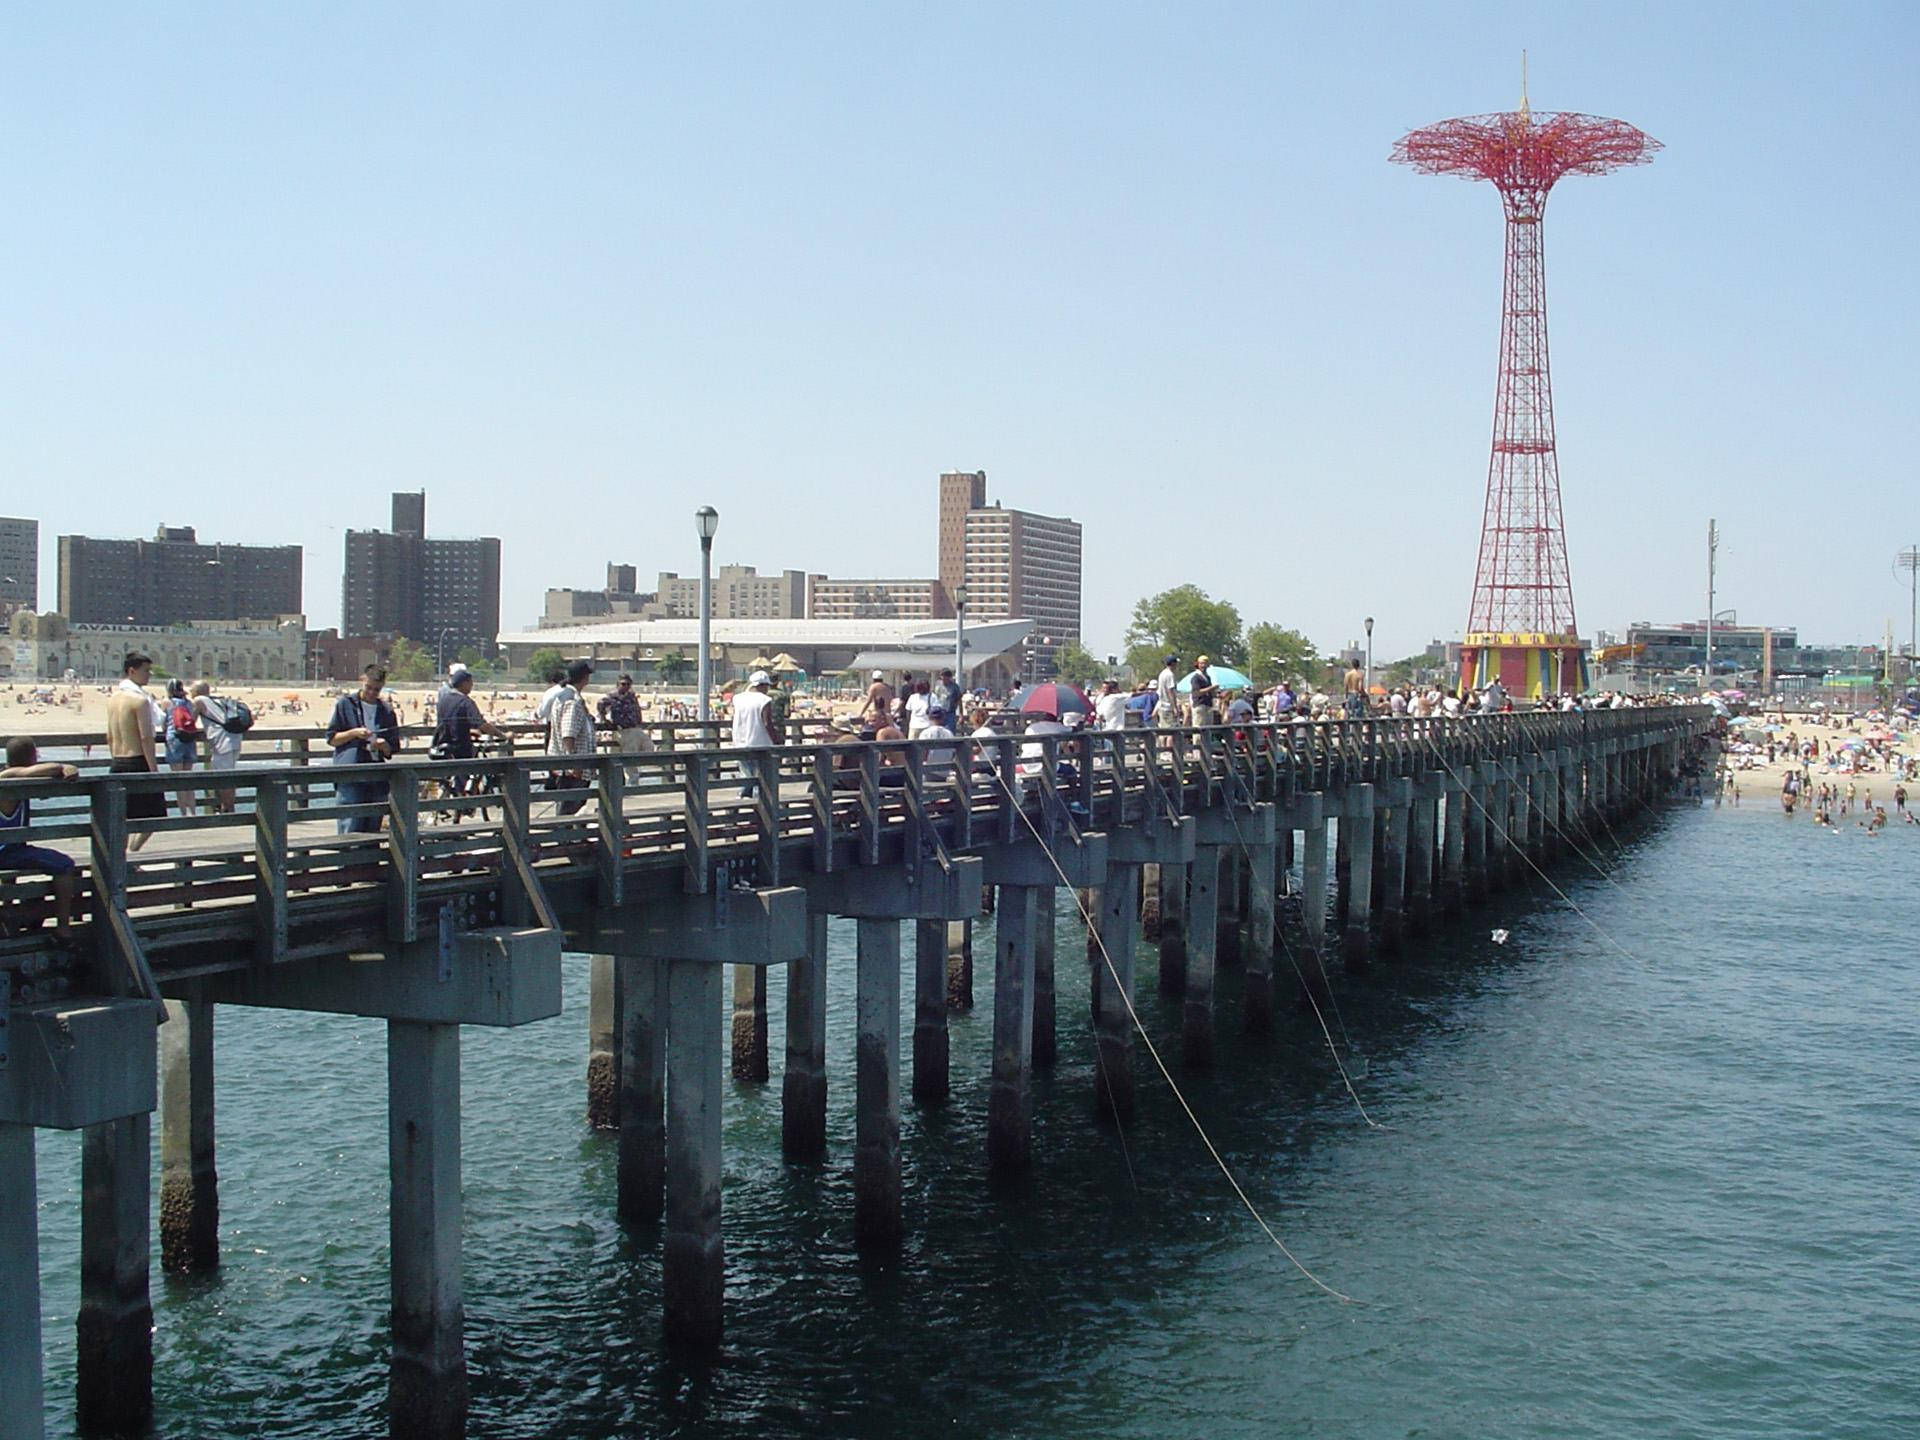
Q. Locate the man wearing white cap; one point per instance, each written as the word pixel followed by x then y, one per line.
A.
pixel 879 707
pixel 750 719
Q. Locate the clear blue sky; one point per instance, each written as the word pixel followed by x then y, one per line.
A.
pixel 578 269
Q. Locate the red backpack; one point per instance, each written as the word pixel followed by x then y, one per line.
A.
pixel 184 721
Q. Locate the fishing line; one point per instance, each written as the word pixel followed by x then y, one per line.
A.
pixel 1307 990
pixel 1100 942
pixel 1521 852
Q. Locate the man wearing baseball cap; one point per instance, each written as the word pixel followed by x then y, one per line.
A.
pixel 750 720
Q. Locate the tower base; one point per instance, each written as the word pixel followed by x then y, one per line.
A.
pixel 1528 664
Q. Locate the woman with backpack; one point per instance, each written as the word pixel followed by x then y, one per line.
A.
pixel 183 738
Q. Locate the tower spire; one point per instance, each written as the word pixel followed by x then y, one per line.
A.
pixel 1525 112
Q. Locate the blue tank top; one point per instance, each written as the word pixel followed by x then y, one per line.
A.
pixel 16 819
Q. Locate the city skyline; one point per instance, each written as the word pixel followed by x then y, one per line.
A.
pixel 1213 325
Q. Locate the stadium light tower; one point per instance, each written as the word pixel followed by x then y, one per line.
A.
pixel 1521 627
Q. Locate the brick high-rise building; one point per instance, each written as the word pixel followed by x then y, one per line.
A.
pixel 442 594
pixel 1016 565
pixel 173 578
pixel 961 491
pixel 19 565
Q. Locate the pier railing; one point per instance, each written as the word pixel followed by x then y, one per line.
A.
pixel 500 840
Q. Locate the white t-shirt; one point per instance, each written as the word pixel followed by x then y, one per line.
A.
pixel 938 754
pixel 750 719
pixel 1112 710
pixel 547 701
pixel 1168 687
pixel 917 704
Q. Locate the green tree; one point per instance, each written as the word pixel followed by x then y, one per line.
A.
pixel 1276 654
pixel 675 667
pixel 543 661
pixel 1183 621
pixel 1074 663
pixel 480 665
pixel 408 662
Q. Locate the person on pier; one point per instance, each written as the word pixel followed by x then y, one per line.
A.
pixel 134 718
pixel 363 731
pixel 23 763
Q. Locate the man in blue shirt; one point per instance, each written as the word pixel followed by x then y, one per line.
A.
pixel 363 731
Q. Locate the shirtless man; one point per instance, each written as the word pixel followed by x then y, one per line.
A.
pixel 879 707
pixel 1355 684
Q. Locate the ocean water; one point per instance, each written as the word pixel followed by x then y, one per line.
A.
pixel 1650 1168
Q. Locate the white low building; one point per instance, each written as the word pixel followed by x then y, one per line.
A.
pixel 666 651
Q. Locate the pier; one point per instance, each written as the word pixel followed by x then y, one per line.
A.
pixel 666 868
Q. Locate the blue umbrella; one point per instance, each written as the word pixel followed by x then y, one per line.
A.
pixel 1225 676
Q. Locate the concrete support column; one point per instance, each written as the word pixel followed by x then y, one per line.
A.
pixel 1396 832
pixel 1541 831
pixel 1453 848
pixel 803 1083
pixel 877 1221
pixel 1516 819
pixel 931 1043
pixel 750 1059
pixel 1421 825
pixel 1283 862
pixel 640 984
pixel 22 1399
pixel 1046 1042
pixel 189 1184
pixel 1313 899
pixel 1203 933
pixel 1479 833
pixel 960 960
pixel 114 1364
pixel 693 1271
pixel 1343 863
pixel 1499 826
pixel 1119 930
pixel 1173 928
pixel 1010 1098
pixel 603 1069
pixel 427 1383
pixel 1357 821
pixel 1257 1010
pixel 1150 902
pixel 1231 913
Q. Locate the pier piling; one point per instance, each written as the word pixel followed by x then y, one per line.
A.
pixel 189 1183
pixel 641 1161
pixel 1119 930
pixel 1357 822
pixel 1203 932
pixel 114 1363
pixel 877 1221
pixel 427 1381
pixel 931 1043
pixel 603 1009
pixel 803 1083
pixel 751 1063
pixel 1174 880
pixel 1045 1022
pixel 1010 1098
pixel 693 1271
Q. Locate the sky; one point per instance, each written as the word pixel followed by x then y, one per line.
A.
pixel 578 269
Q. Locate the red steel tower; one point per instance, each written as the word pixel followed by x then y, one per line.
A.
pixel 1521 626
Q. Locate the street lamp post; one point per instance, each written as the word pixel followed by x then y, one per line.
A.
pixel 440 649
pixel 960 638
pixel 1369 655
pixel 706 520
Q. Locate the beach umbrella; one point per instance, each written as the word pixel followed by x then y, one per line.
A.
pixel 1224 676
pixel 785 664
pixel 1053 697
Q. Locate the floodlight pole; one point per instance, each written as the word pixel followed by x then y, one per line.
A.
pixel 706 520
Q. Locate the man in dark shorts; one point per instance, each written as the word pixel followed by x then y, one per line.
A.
pixel 23 763
pixel 133 719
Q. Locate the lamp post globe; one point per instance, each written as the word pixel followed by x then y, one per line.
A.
pixel 1369 654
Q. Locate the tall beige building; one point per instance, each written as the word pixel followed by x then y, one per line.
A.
pixel 1014 563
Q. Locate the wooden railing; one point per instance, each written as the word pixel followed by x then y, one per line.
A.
pixel 532 838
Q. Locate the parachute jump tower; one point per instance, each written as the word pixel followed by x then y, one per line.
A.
pixel 1520 627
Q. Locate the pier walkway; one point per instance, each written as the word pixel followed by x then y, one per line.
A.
pixel 457 910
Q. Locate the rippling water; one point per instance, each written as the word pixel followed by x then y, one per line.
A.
pixel 1652 1175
